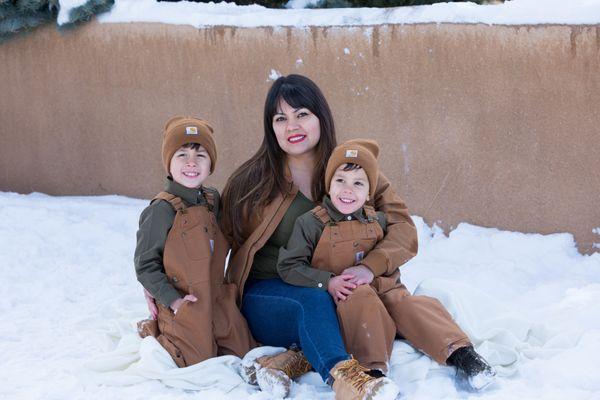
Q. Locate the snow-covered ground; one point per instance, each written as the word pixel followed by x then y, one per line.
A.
pixel 67 277
pixel 210 14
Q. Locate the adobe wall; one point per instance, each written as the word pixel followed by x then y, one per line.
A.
pixel 493 125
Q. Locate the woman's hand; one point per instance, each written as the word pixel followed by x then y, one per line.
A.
pixel 177 303
pixel 340 287
pixel 152 308
pixel 361 274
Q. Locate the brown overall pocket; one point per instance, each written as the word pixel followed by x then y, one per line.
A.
pixel 344 254
pixel 171 337
pixel 197 242
pixel 173 350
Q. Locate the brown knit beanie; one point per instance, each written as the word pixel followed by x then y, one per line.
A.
pixel 362 152
pixel 182 130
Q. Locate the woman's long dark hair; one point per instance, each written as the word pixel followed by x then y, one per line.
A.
pixel 257 182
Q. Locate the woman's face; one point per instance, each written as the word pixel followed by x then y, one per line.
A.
pixel 297 129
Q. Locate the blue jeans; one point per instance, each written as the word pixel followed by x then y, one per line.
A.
pixel 281 315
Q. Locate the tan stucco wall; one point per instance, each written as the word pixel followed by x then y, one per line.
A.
pixel 493 125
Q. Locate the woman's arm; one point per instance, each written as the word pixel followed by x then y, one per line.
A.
pixel 400 242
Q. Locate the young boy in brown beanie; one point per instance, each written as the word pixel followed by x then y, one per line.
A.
pixel 325 251
pixel 180 254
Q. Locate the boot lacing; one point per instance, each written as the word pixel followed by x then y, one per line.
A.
pixel 355 374
pixel 295 365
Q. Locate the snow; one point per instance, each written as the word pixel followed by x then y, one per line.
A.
pixel 274 75
pixel 519 12
pixel 302 3
pixel 65 8
pixel 529 302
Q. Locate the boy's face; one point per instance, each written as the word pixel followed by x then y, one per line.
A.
pixel 349 189
pixel 190 167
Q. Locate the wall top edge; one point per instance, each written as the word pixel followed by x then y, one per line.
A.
pixel 364 26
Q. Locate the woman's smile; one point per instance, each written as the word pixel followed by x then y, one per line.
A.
pixel 296 138
pixel 297 129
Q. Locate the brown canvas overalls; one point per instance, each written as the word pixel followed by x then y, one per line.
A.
pixel 194 261
pixel 373 314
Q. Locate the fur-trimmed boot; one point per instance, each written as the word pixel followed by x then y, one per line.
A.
pixel 274 373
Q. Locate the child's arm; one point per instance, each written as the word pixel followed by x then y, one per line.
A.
pixel 341 286
pixel 155 222
pixel 294 260
pixel 400 243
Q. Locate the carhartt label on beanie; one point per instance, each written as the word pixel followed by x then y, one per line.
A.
pixel 181 130
pixel 362 152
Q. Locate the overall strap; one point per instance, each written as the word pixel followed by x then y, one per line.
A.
pixel 210 199
pixel 370 213
pixel 321 214
pixel 176 202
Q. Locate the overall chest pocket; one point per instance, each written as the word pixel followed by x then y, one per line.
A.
pixel 351 252
pixel 198 242
pixel 342 254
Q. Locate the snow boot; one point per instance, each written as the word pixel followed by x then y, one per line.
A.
pixel 472 368
pixel 274 373
pixel 351 381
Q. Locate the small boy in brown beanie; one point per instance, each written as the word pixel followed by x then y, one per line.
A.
pixel 180 254
pixel 326 250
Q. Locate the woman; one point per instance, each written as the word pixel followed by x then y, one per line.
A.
pixel 261 201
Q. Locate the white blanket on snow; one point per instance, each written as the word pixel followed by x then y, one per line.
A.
pixel 135 360
pixel 499 335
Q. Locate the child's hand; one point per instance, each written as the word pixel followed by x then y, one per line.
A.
pixel 340 287
pixel 151 304
pixel 362 274
pixel 177 303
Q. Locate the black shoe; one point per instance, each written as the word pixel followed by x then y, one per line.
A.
pixel 375 373
pixel 472 367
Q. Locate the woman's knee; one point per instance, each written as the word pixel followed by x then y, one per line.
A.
pixel 316 303
pixel 313 295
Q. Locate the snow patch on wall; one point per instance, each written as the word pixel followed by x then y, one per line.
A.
pixel 273 75
pixel 515 12
pixel 405 158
